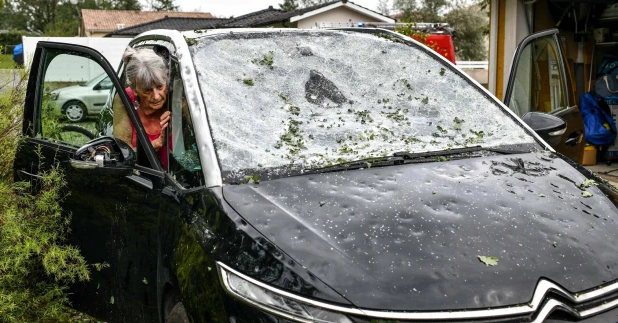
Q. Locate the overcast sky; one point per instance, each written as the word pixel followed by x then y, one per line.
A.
pixel 236 8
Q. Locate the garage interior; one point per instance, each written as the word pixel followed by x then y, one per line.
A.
pixel 589 36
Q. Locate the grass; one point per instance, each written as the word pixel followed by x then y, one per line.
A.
pixel 6 62
pixel 78 138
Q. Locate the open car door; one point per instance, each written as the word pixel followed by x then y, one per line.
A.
pixel 540 82
pixel 112 192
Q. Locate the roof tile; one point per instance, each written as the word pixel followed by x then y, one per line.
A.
pixel 173 23
pixel 108 20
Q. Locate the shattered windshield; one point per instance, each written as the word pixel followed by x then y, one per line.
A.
pixel 317 98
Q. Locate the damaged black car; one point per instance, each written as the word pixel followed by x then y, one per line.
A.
pixel 326 176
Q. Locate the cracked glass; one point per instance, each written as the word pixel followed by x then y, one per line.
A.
pixel 317 98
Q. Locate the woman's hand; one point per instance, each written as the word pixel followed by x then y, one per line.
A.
pixel 164 121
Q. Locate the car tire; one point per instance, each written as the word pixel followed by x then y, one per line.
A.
pixel 177 314
pixel 75 111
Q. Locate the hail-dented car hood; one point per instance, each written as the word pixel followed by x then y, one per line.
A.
pixel 407 237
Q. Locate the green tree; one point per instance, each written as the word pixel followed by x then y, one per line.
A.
pixel 471 25
pixel 49 17
pixel 431 9
pixel 384 8
pixel 126 4
pixel 289 5
pixel 407 9
pixel 310 3
pixel 12 19
pixel 68 17
pixel 36 14
pixel 163 5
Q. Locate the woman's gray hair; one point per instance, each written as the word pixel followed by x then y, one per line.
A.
pixel 144 67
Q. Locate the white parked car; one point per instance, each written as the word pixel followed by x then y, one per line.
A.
pixel 77 102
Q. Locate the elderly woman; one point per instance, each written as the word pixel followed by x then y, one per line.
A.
pixel 146 75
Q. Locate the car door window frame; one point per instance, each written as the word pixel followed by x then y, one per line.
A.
pixel 561 63
pixel 175 75
pixel 179 49
pixel 33 108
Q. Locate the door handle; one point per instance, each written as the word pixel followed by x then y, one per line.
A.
pixel 574 139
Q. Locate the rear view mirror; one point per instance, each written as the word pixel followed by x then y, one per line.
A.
pixel 105 154
pixel 549 127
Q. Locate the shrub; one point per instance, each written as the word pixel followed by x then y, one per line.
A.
pixel 36 264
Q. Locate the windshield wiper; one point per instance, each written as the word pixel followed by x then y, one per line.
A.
pixel 455 151
pixel 362 163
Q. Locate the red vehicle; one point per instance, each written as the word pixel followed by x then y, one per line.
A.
pixel 441 43
pixel 437 36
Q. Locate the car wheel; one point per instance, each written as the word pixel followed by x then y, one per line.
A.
pixel 75 111
pixel 177 314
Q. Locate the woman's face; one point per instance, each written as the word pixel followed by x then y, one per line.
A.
pixel 153 98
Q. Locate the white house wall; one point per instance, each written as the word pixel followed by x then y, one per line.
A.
pixel 336 15
pixel 66 68
pixel 515 30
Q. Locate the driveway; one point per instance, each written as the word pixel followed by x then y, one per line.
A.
pixel 8 78
pixel 607 172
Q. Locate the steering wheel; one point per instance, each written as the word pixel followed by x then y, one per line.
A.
pixel 75 134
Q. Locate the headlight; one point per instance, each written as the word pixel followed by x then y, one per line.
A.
pixel 279 302
pixel 54 96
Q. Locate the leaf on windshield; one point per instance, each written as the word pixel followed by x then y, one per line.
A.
pixel 253 179
pixel 458 123
pixel 586 194
pixel 190 42
pixel 587 183
pixel 112 300
pixel 248 82
pixel 541 195
pixel 266 61
pixel 489 261
pixel 145 281
pixel 284 97
pixel 322 203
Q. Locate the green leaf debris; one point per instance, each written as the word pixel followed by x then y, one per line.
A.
pixel 190 42
pixel 253 179
pixel 489 261
pixel 587 183
pixel 267 60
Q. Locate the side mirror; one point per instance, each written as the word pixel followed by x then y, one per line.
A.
pixel 105 154
pixel 549 127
